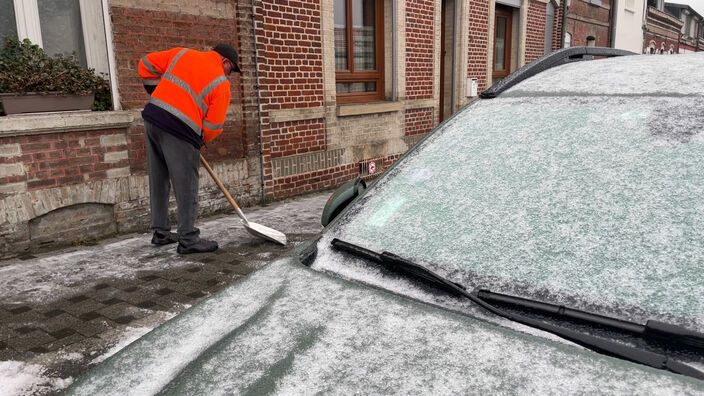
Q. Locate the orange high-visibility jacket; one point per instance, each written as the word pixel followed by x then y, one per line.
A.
pixel 191 85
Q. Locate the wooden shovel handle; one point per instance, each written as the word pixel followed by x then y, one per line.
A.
pixel 219 183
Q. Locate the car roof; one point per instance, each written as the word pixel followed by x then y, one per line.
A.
pixel 629 75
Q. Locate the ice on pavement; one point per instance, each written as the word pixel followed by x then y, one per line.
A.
pixel 52 275
pixel 590 202
pixel 274 333
pixel 20 378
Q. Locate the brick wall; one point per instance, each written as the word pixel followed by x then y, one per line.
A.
pixel 134 38
pixel 297 137
pixel 62 159
pixel 585 19
pixel 418 121
pixel 557 28
pixel 420 42
pixel 535 31
pixel 478 42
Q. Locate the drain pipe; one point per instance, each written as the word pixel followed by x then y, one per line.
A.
pixel 394 56
pixel 257 88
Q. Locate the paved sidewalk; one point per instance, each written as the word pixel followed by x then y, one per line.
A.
pixel 62 313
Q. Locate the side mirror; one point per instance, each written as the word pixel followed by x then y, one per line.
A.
pixel 341 198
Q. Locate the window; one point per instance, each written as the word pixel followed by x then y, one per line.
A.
pixel 62 27
pixel 591 41
pixel 653 3
pixel 359 50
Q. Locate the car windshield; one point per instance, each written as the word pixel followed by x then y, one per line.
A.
pixel 588 201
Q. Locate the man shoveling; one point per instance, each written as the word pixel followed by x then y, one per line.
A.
pixel 190 95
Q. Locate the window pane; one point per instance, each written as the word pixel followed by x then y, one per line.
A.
pixel 500 44
pixel 60 21
pixel 355 87
pixel 340 35
pixel 8 25
pixel 363 34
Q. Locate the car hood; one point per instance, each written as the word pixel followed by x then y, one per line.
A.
pixel 291 330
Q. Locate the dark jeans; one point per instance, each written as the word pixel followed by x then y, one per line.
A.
pixel 172 162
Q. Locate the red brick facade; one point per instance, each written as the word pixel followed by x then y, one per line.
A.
pixel 478 42
pixel 418 121
pixel 420 44
pixel 535 31
pixel 585 19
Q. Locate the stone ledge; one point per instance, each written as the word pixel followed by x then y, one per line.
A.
pixel 421 104
pixel 310 113
pixel 367 108
pixel 36 124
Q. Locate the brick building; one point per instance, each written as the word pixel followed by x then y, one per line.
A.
pixel 692 33
pixel 330 90
pixel 662 30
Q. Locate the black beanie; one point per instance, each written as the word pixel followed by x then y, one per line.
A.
pixel 228 52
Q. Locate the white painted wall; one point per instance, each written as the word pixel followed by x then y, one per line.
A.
pixel 629 22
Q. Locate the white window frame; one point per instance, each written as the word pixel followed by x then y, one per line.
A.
pixel 28 26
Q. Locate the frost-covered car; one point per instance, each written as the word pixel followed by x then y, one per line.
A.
pixel 548 238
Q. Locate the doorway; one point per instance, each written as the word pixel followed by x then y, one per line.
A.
pixel 503 22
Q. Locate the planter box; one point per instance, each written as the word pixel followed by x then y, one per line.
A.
pixel 36 103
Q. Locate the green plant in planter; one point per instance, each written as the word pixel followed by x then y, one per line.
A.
pixel 25 67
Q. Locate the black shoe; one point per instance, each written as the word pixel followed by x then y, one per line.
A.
pixel 202 246
pixel 160 238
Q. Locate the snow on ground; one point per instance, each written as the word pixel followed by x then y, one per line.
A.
pixel 53 275
pixel 19 378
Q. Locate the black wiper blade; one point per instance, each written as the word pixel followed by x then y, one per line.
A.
pixel 405 267
pixel 651 329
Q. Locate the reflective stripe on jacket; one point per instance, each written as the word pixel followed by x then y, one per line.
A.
pixel 191 85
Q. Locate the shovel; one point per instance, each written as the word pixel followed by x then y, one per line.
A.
pixel 253 228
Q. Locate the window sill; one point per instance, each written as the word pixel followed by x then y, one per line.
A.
pixel 367 108
pixel 70 121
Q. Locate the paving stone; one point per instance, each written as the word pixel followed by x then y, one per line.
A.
pixel 100 286
pixel 54 313
pixel 131 289
pixel 89 316
pixel 174 298
pixel 93 327
pixel 23 343
pixel 116 310
pixel 125 319
pixel 138 296
pixel 82 307
pixel 65 332
pixel 64 342
pixel 25 329
pixel 164 291
pixel 59 322
pixel 196 294
pixel 77 299
pixel 111 301
pixel 149 278
pixel 19 309
pixel 148 304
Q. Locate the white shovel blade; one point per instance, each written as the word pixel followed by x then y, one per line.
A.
pixel 265 232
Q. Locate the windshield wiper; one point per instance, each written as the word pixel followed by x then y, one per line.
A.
pixel 651 329
pixel 400 265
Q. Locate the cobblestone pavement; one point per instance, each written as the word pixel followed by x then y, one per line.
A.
pixel 63 312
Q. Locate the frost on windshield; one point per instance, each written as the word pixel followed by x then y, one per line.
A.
pixel 577 201
pixel 627 75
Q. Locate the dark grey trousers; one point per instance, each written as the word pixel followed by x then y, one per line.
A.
pixel 172 162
